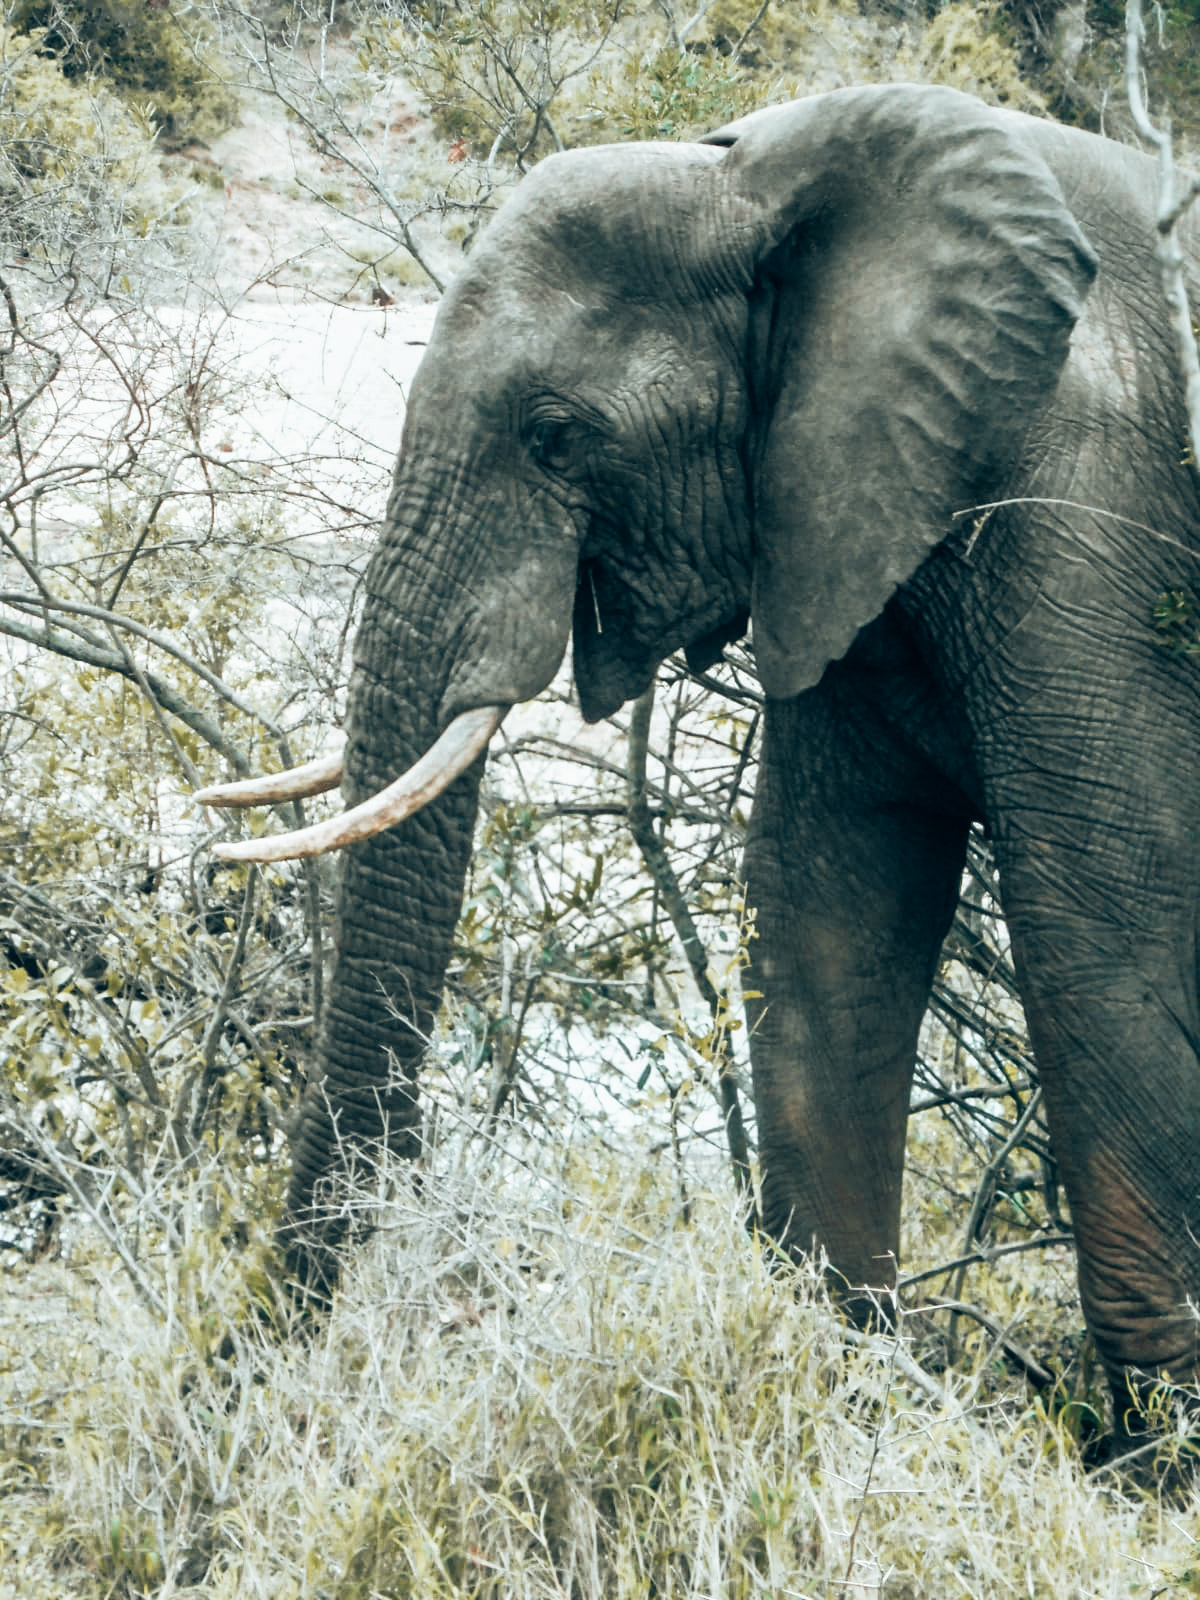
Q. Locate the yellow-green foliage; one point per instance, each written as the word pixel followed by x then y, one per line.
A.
pixel 71 137
pixel 140 51
pixel 672 93
pixel 804 48
pixel 492 70
pixel 523 75
pixel 966 47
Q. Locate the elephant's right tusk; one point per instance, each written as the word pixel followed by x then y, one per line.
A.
pixel 297 783
pixel 452 754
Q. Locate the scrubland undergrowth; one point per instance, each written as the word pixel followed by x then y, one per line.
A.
pixel 536 1381
pixel 559 1366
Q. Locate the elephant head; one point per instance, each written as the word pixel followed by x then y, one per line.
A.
pixel 676 388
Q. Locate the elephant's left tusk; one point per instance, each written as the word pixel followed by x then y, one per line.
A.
pixel 297 783
pixel 451 755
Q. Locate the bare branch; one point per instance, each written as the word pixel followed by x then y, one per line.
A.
pixel 984 1257
pixel 658 865
pixel 170 646
pixel 170 699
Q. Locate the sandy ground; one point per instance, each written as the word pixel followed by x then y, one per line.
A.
pixel 290 222
pixel 329 380
pixel 328 341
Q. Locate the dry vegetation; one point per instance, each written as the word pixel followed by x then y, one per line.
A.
pixel 562 1366
pixel 536 1382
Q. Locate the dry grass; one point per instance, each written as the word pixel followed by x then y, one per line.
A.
pixel 532 1385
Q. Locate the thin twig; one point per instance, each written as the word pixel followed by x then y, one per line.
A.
pixel 864 1492
pixel 979 1257
pixel 210 1044
pixel 985 1192
pixel 658 865
pixel 88 1202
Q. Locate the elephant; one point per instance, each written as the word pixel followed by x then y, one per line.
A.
pixel 883 375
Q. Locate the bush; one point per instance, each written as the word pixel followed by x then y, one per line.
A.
pixel 71 153
pixel 141 52
pixel 539 1381
pixel 968 47
pixel 528 76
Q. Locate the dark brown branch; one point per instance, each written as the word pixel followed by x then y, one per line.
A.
pixel 956 1097
pixel 979 1257
pixel 1029 1364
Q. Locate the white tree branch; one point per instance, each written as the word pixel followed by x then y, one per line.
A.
pixel 1171 207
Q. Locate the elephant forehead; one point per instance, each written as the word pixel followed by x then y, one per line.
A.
pixel 596 189
pixel 503 340
pixel 603 218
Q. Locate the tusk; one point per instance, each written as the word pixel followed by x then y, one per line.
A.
pixel 297 783
pixel 452 754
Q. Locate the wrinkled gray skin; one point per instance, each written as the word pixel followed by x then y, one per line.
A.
pixel 762 375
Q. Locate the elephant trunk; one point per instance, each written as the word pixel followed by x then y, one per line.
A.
pixel 398 898
pixel 441 647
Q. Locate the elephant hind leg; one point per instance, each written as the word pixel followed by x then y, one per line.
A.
pixel 855 887
pixel 1108 976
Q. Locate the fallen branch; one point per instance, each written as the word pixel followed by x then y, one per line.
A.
pixel 1030 1365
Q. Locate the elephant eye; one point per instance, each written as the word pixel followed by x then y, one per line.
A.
pixel 551 443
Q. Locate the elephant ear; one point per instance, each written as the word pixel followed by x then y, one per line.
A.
pixel 915 275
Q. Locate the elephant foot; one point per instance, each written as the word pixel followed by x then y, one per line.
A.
pixel 312 1247
pixel 1150 1461
pixel 1154 1441
pixel 869 1307
pixel 871 1310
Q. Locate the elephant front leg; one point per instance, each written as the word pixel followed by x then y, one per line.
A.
pixel 855 890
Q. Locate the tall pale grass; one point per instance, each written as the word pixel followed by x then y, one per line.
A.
pixel 530 1386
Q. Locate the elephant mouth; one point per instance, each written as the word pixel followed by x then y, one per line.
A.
pixel 610 668
pixel 618 647
pixel 446 759
pixel 611 665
